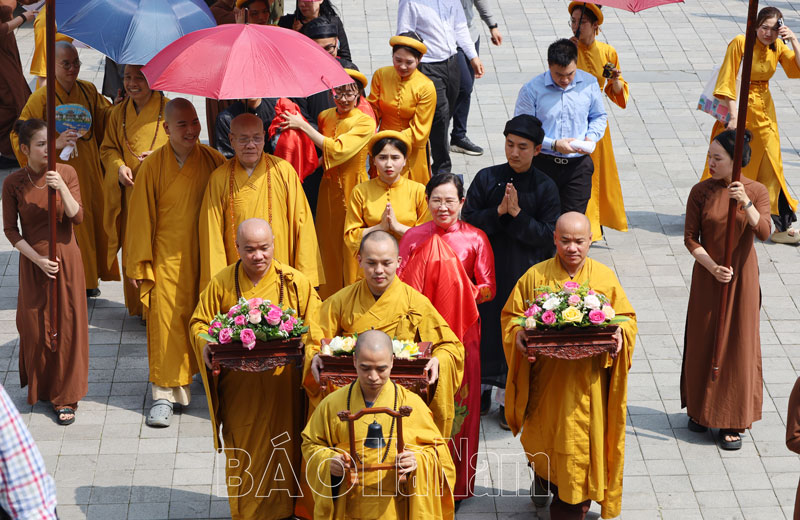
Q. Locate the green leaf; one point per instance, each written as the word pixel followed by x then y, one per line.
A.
pixel 206 337
pixel 618 319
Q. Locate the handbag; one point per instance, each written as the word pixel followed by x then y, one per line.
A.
pixel 713 106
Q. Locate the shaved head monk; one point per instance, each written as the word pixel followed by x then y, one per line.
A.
pixel 382 301
pixel 571 413
pixel 161 243
pixel 85 158
pixel 261 411
pixel 133 132
pixel 256 184
pixel 425 458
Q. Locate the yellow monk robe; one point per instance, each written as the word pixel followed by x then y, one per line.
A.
pixel 256 408
pixel 161 241
pixel 39 59
pixel 407 106
pixel 344 156
pixel 366 206
pixel 572 411
pixel 428 493
pixel 605 207
pixel 141 132
pixel 91 236
pixel 766 164
pixel 405 314
pixel 273 192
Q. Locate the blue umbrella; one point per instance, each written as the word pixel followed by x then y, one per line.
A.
pixel 131 31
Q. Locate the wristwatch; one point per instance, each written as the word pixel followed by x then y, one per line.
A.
pixel 493 26
pixel 748 205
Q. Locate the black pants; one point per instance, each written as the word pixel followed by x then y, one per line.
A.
pixel 461 111
pixel 573 176
pixel 560 510
pixel 446 78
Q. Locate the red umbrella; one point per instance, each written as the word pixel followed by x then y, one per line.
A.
pixel 238 61
pixel 634 6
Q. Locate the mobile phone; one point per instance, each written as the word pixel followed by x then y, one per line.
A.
pixel 781 24
pixel 607 68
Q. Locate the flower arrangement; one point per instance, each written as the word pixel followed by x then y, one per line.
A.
pixel 344 346
pixel 252 320
pixel 574 305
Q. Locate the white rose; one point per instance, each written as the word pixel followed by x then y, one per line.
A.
pixel 551 303
pixel 530 323
pixel 591 301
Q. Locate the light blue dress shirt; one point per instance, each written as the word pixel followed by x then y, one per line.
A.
pixel 576 111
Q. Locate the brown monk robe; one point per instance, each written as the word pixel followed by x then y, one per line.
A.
pixel 14 89
pixel 793 434
pixel 60 377
pixel 733 402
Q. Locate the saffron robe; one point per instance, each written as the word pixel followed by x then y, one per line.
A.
pixel 428 492
pixel 407 106
pixel 365 209
pixel 402 313
pixel 39 59
pixel 571 412
pixel 272 192
pixel 261 413
pixel 606 207
pixel 766 164
pixel 144 131
pixel 344 157
pixel 92 239
pixel 162 241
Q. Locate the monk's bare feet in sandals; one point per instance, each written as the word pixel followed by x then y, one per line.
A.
pixel 65 414
pixel 730 440
pixel 790 236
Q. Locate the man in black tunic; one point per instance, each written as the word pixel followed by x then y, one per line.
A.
pixel 517 206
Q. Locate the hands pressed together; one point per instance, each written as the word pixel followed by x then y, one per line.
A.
pixel 510 202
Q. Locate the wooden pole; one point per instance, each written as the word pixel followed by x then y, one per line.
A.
pixel 50 49
pixel 741 121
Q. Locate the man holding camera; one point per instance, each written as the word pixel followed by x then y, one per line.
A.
pixel 569 104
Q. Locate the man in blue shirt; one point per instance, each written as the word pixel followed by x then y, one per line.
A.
pixel 569 104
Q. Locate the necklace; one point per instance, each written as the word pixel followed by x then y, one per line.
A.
pixel 28 173
pixel 391 429
pixel 125 128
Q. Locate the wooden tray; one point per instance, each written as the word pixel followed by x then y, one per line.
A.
pixel 266 355
pixel 571 342
pixel 410 373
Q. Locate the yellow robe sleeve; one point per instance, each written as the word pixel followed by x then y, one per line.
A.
pixel 729 69
pixel 304 255
pixel 621 99
pixel 39 60
pixel 328 317
pixel 33 109
pixel 112 159
pixel 211 221
pixel 375 95
pixel 339 149
pixel 139 235
pixel 787 59
pixel 419 126
pixel 354 224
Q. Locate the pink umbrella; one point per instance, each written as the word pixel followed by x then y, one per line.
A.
pixel 634 6
pixel 239 61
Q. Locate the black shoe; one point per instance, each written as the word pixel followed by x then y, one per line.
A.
pixel 539 495
pixel 92 293
pixel 503 423
pixel 486 402
pixel 7 163
pixel 465 146
pixel 696 427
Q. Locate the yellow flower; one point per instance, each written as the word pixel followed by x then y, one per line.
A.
pixel 571 315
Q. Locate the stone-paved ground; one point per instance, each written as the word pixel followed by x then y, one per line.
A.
pixel 108 465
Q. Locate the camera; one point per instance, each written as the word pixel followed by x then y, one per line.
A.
pixel 607 68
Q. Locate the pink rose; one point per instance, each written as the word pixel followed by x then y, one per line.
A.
pixel 240 320
pixel 274 316
pixel 225 335
pixel 215 326
pixel 574 299
pixel 549 317
pixel 292 320
pixel 543 296
pixel 254 316
pixel 596 317
pixel 254 302
pixel 287 326
pixel 571 286
pixel 590 292
pixel 233 311
pixel 248 338
pixel 529 312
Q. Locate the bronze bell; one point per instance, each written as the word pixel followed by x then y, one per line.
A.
pixel 374 438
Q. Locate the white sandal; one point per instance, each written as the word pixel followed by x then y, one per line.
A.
pixel 160 414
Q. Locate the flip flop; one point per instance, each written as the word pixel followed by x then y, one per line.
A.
pixel 783 237
pixel 65 410
pixel 160 414
pixel 730 445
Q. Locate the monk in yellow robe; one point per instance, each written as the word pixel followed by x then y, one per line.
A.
pixel 256 184
pixel 390 202
pixel 382 301
pixel 344 132
pixel 571 412
pixel 90 234
pixel 39 59
pixel 133 132
pixel 261 413
pixel 425 459
pixel 161 241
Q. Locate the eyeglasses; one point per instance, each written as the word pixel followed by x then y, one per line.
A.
pixel 69 65
pixel 450 203
pixel 259 139
pixel 344 95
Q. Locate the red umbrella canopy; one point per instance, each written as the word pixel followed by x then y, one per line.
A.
pixel 239 61
pixel 634 6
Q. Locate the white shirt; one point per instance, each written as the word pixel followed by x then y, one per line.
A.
pixel 441 24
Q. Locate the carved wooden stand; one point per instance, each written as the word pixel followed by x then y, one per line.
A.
pixel 339 371
pixel 357 465
pixel 266 355
pixel 571 342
